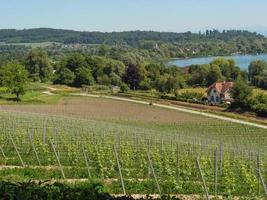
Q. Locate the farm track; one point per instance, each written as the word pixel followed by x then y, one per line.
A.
pixel 182 109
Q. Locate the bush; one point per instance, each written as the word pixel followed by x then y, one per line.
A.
pixel 55 191
pixel 124 88
pixel 258 104
pixel 191 96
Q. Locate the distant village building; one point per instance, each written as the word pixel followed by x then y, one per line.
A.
pixel 219 92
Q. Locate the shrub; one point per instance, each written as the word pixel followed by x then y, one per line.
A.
pixel 192 96
pixel 124 88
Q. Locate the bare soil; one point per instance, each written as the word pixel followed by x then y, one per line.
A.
pixel 107 109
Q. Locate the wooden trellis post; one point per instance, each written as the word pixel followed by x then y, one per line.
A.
pixel 119 168
pixel 202 179
pixel 86 161
pixel 16 149
pixel 60 166
pixel 3 153
pixel 261 177
pixel 153 172
pixel 34 150
pixel 221 160
pixel 215 171
pixel 177 162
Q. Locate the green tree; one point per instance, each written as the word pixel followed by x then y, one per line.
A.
pixel 199 74
pixel 134 75
pixel 241 93
pixel 74 61
pixel 38 65
pixel 64 76
pixel 258 73
pixel 103 50
pixel 83 77
pixel 14 77
pixel 259 104
pixel 214 74
pixel 124 88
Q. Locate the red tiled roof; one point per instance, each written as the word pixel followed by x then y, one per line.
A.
pixel 221 87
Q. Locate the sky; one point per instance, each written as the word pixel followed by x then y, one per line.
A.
pixel 122 15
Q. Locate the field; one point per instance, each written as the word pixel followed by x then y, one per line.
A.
pixel 131 148
pixel 32 44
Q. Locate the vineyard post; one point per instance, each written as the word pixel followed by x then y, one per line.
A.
pixel 60 166
pixel 177 161
pixel 161 147
pixel 202 179
pixel 86 161
pixel 15 147
pixel 44 132
pixel 148 150
pixel 3 153
pixel 35 152
pixel 260 176
pixel 153 172
pixel 216 170
pixel 221 159
pixel 119 167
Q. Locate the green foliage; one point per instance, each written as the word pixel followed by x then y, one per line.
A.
pixel 211 42
pixel 194 96
pixel 64 76
pixel 214 74
pixel 55 191
pixel 134 75
pixel 199 74
pixel 170 145
pixel 228 68
pixel 124 88
pixel 88 70
pixel 241 94
pixel 14 77
pixel 83 77
pixel 258 73
pixel 259 104
pixel 218 69
pixel 38 65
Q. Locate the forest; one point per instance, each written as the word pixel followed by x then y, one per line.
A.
pixel 165 44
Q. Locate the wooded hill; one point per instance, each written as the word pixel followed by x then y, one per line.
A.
pixel 131 38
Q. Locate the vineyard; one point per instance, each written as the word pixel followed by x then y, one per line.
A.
pixel 188 155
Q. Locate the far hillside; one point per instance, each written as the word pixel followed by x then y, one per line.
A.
pixel 188 44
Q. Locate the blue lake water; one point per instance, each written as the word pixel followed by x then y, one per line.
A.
pixel 242 61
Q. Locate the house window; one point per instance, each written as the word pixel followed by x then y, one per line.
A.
pixel 217 99
pixel 212 98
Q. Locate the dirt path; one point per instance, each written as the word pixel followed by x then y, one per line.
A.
pixel 176 108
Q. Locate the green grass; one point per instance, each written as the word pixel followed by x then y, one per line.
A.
pixel 33 97
pixel 34 94
pixel 33 45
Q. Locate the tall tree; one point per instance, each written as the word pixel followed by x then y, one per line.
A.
pixel 14 77
pixel 214 74
pixel 64 76
pixel 258 73
pixel 134 75
pixel 38 65
pixel 241 94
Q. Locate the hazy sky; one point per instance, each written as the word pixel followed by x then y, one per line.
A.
pixel 119 15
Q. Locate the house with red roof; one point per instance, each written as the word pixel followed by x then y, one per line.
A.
pixel 220 92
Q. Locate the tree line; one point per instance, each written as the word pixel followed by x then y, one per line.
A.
pixel 164 44
pixel 78 69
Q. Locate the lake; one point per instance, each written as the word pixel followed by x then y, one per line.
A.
pixel 242 61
